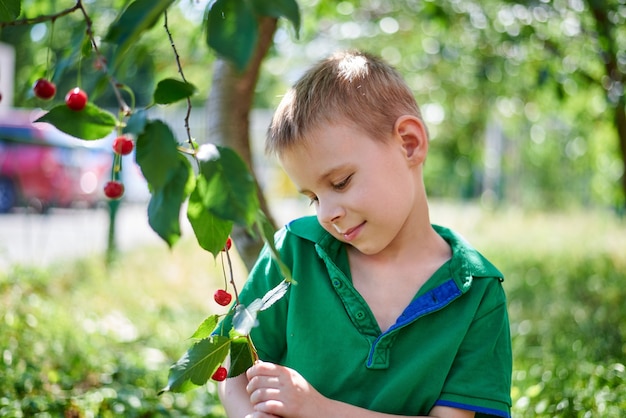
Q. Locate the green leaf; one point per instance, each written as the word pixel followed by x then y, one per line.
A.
pixel 206 327
pixel 232 30
pixel 210 231
pixel 86 48
pixel 198 364
pixel 267 233
pixel 137 18
pixel 157 153
pixel 240 357
pixel 279 8
pixel 225 185
pixel 90 123
pixel 165 203
pixel 136 124
pixel 170 90
pixel 10 10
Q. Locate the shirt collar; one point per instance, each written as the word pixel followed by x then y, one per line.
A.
pixel 465 265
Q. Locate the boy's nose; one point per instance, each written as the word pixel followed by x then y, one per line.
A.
pixel 329 211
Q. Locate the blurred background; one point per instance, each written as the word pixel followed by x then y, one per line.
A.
pixel 525 106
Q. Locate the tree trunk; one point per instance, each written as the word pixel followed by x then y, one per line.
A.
pixel 228 121
pixel 620 122
pixel 606 39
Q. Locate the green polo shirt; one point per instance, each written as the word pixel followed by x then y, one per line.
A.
pixel 451 346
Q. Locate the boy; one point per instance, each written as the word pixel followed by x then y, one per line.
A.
pixel 390 316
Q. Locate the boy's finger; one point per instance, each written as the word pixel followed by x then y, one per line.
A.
pixel 262 367
pixel 259 368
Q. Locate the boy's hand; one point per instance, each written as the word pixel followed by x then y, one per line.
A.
pixel 281 391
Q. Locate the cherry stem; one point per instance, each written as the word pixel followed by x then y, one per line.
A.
pixel 116 168
pixel 232 276
pixel 255 354
pixel 253 351
pixel 224 271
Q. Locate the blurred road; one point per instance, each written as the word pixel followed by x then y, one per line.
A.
pixel 65 234
pixel 34 239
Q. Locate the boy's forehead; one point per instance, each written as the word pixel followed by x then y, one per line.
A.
pixel 327 146
pixel 317 147
pixel 306 170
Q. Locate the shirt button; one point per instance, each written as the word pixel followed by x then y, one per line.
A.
pixel 360 315
pixel 337 283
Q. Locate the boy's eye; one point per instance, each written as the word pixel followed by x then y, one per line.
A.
pixel 343 183
pixel 312 200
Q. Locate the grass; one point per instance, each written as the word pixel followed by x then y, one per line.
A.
pixel 564 275
pixel 78 340
pixel 98 342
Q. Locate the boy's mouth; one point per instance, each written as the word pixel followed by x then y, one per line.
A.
pixel 351 233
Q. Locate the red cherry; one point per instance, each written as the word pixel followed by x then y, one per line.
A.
pixel 222 297
pixel 229 243
pixel 76 99
pixel 113 189
pixel 44 89
pixel 220 374
pixel 123 145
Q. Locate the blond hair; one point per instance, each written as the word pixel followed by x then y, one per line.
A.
pixel 349 86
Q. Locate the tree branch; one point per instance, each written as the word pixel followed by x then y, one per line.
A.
pixel 43 18
pixel 182 75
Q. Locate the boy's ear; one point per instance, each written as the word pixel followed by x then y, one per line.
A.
pixel 412 133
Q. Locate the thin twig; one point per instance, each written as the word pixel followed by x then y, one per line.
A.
pixel 182 74
pixel 43 18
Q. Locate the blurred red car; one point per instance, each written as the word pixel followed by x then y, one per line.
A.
pixel 42 167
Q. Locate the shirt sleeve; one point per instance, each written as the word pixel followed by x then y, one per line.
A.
pixel 480 377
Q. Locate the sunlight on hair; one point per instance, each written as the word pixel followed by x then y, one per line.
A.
pixel 353 66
